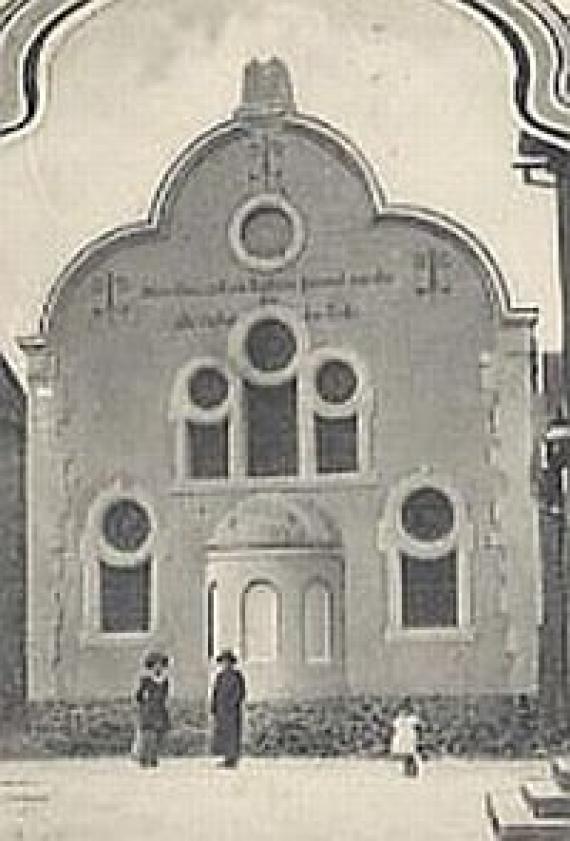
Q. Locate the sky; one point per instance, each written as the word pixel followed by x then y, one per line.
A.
pixel 418 85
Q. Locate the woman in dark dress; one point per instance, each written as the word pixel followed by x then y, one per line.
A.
pixel 228 696
pixel 151 698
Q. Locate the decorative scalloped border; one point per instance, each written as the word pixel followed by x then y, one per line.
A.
pixel 27 31
pixel 535 34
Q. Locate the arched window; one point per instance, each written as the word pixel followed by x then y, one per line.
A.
pixel 201 408
pixel 429 583
pixel 260 617
pixel 118 550
pixel 207 449
pixel 318 623
pixel 270 399
pixel 336 416
pixel 427 538
pixel 272 408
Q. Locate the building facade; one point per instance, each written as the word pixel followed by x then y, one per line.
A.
pixel 287 416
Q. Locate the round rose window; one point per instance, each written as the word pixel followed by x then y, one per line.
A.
pixel 427 514
pixel 126 525
pixel 336 381
pixel 270 345
pixel 267 232
pixel 208 388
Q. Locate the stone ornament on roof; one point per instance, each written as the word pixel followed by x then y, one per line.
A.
pixel 267 89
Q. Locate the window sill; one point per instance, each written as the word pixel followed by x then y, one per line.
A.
pixel 262 664
pixel 237 484
pixel 99 639
pixel 325 662
pixel 446 635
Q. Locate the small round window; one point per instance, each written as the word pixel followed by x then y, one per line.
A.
pixel 267 232
pixel 270 345
pixel 336 381
pixel 427 514
pixel 126 525
pixel 208 388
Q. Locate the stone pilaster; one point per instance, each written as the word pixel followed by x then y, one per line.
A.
pixel 44 602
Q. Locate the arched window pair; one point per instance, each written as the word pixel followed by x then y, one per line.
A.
pixel 261 622
pixel 273 409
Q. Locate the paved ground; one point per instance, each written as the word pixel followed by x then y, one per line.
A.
pixel 292 800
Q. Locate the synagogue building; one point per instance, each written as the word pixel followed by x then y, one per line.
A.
pixel 288 416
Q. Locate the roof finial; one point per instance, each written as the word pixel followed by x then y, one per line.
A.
pixel 267 89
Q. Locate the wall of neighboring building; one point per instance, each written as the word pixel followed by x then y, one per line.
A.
pixel 551 492
pixel 12 538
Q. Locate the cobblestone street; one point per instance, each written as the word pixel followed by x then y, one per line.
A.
pixel 104 800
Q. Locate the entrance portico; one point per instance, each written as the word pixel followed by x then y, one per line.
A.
pixel 275 578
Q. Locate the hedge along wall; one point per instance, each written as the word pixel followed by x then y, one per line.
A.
pixel 105 729
pixel 486 727
pixel 491 726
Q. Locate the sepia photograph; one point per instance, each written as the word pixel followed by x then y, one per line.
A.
pixel 284 420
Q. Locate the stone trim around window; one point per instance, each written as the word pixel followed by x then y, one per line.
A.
pixel 319 583
pixel 271 202
pixel 181 405
pixel 274 590
pixel 359 405
pixel 361 395
pixel 182 411
pixel 237 368
pixel 237 345
pixel 393 540
pixel 95 549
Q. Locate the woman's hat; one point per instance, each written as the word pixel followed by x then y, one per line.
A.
pixel 155 658
pixel 226 656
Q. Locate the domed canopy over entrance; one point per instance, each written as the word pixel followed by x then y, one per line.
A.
pixel 269 521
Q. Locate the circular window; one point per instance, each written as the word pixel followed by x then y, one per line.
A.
pixel 427 514
pixel 207 388
pixel 126 525
pixel 336 381
pixel 270 345
pixel 267 232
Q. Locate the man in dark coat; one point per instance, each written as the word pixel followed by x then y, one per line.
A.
pixel 153 714
pixel 228 696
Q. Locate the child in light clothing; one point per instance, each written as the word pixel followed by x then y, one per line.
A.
pixel 405 737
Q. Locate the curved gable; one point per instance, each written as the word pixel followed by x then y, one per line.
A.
pixel 271 150
pixel 269 166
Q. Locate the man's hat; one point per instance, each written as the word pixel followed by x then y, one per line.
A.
pixel 226 656
pixel 154 658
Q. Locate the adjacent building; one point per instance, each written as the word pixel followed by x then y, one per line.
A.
pixel 12 536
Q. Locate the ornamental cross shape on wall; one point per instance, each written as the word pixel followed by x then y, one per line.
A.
pixel 266 170
pixel 432 272
pixel 111 294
